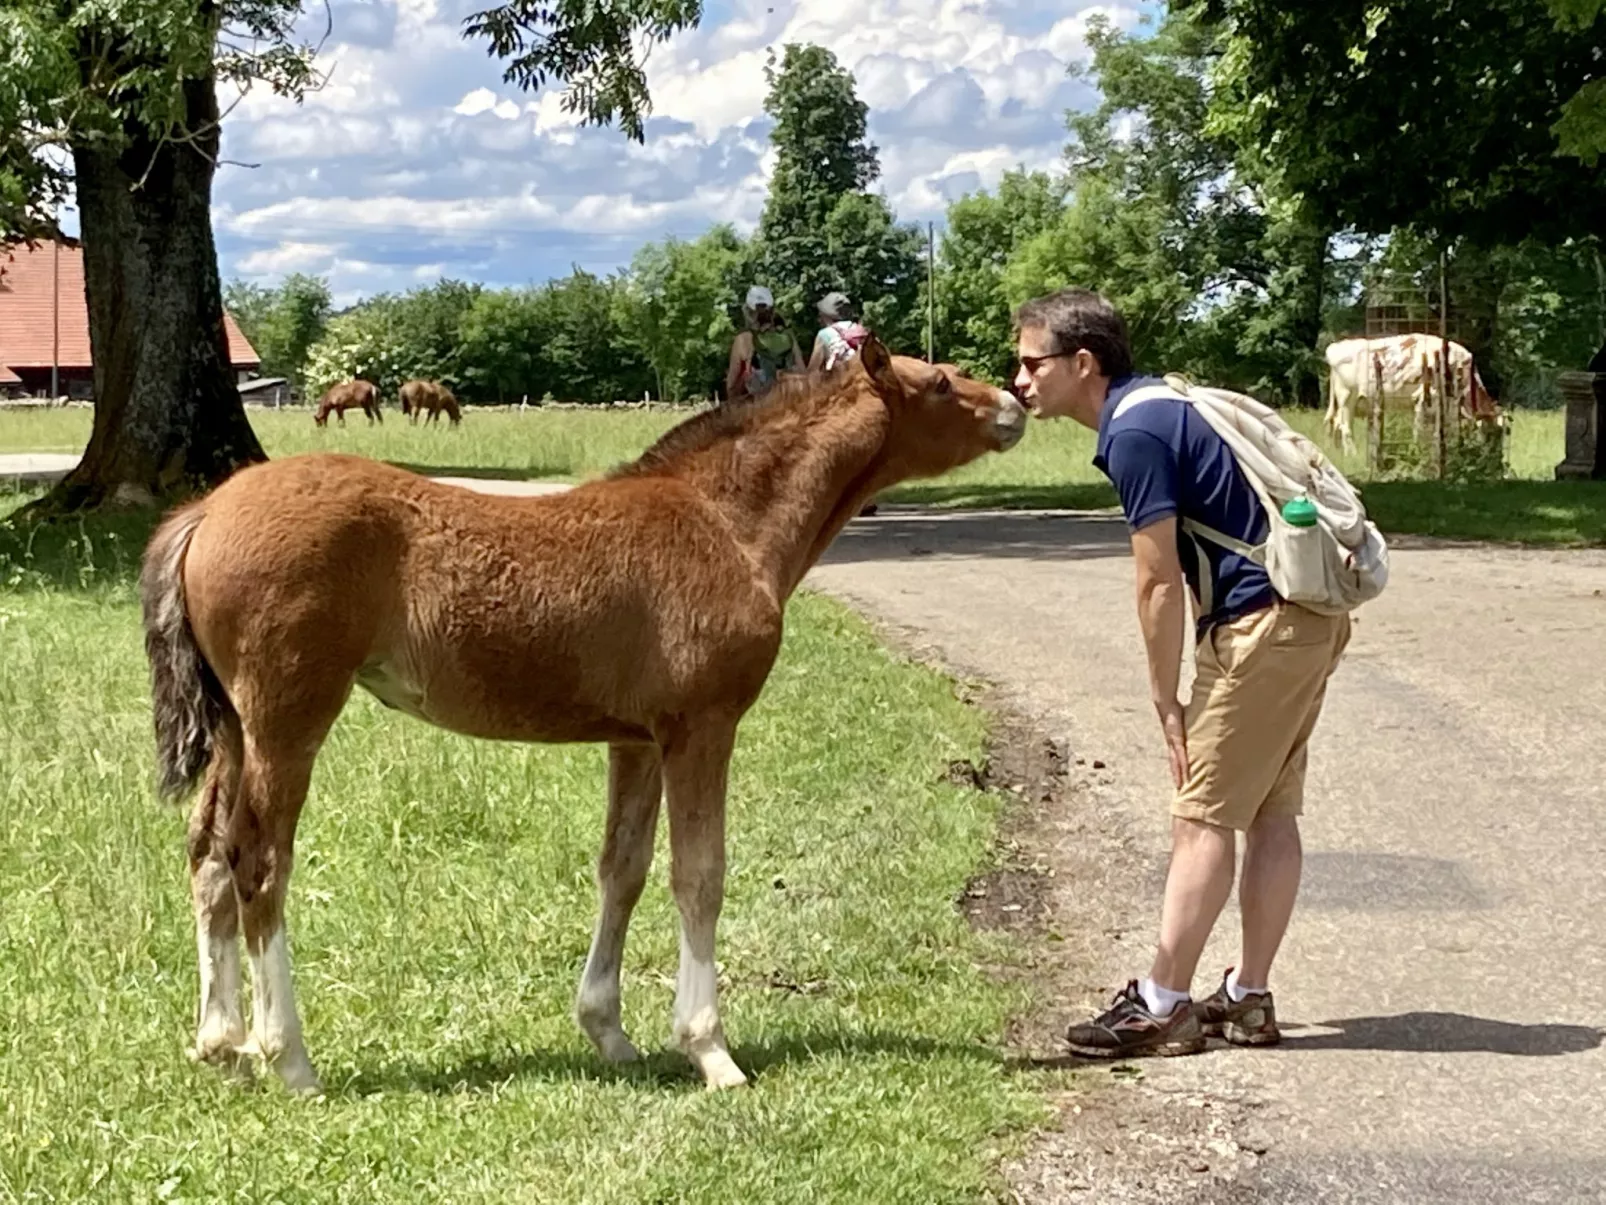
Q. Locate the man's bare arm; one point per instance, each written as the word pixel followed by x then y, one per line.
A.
pixel 733 370
pixel 1163 615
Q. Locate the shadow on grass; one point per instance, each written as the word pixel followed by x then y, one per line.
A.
pixel 657 1069
pixel 81 552
pixel 1546 513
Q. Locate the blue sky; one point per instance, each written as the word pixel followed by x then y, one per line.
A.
pixel 416 161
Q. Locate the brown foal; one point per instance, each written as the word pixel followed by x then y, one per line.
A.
pixel 643 609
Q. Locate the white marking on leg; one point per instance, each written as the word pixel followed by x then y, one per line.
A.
pixel 697 1024
pixel 275 1025
pixel 597 1004
pixel 695 778
pixel 220 1027
pixel 220 1022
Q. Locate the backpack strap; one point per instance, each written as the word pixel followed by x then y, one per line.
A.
pixel 1174 391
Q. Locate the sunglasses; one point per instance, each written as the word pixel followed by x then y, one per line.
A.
pixel 1034 364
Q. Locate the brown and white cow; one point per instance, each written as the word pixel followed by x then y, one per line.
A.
pixel 1408 366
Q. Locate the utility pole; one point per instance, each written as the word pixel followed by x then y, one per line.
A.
pixel 55 317
pixel 931 292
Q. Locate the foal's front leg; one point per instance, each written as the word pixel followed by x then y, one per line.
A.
pixel 635 787
pixel 695 767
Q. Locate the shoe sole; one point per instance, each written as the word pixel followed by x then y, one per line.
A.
pixel 1163 1050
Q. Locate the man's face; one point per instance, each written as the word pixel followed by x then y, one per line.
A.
pixel 1059 385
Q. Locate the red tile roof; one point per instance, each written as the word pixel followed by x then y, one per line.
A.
pixel 25 318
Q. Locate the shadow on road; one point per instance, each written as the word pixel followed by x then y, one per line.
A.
pixel 1447 1033
pixel 1028 535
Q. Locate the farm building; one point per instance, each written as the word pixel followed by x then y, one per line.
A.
pixel 44 320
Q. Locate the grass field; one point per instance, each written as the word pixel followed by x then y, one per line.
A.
pixel 1050 468
pixel 440 915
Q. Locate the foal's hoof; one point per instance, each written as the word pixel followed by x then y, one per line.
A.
pixel 221 1048
pixel 233 1063
pixel 616 1048
pixel 719 1071
pixel 294 1068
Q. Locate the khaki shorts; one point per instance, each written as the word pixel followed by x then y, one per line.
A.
pixel 1259 687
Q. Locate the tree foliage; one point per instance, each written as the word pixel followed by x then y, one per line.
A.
pixel 282 323
pixel 821 229
pixel 984 232
pixel 116 101
pixel 677 302
pixel 598 47
pixel 112 73
pixel 1438 114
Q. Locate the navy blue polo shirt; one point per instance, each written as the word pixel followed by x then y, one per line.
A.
pixel 1165 460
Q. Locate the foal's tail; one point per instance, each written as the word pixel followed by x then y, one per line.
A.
pixel 187 699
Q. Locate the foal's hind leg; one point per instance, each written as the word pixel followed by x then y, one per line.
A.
pixel 635 786
pixel 220 1028
pixel 261 837
pixel 696 764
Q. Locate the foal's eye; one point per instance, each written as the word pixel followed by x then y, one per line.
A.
pixel 944 385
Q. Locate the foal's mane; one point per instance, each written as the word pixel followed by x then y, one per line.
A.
pixel 723 422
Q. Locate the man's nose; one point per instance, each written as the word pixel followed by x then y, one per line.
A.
pixel 1023 379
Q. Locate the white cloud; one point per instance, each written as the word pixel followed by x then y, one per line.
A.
pixel 288 257
pixel 417 159
pixel 477 101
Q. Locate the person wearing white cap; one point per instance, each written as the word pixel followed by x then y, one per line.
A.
pixel 761 352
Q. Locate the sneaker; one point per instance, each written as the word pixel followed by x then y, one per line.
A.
pixel 1251 1021
pixel 1128 1028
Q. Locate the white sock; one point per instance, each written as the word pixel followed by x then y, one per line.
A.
pixel 1237 991
pixel 1161 1001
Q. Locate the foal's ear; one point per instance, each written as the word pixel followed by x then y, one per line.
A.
pixel 877 361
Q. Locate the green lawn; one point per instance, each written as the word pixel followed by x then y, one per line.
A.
pixel 537 443
pixel 1051 467
pixel 440 914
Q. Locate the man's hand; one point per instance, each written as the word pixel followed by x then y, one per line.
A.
pixel 1162 614
pixel 1176 743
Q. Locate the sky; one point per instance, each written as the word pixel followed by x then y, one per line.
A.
pixel 415 161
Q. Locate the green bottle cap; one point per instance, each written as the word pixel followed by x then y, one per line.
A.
pixel 1299 512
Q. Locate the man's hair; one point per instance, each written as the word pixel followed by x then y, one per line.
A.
pixel 1078 318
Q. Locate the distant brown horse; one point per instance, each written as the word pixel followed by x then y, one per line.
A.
pixel 430 396
pixel 351 395
pixel 643 609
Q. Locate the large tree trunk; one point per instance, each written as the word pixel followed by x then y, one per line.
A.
pixel 168 419
pixel 1314 246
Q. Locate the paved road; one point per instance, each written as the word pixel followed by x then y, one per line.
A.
pixel 1448 965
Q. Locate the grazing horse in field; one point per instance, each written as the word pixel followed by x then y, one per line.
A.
pixel 352 395
pixel 431 396
pixel 643 609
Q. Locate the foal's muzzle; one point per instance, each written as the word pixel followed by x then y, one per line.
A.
pixel 1009 424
